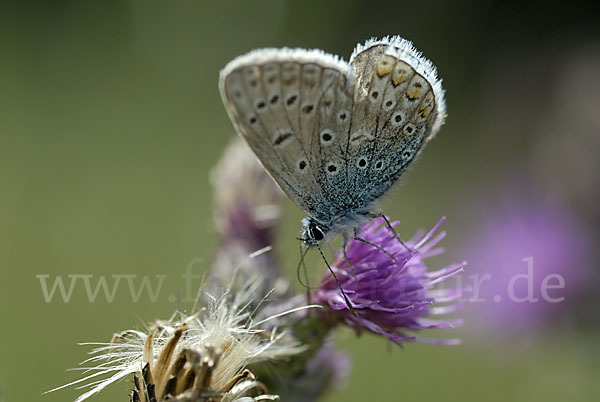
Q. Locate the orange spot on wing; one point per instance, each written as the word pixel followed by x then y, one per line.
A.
pixel 414 93
pixel 384 66
pixel 425 110
pixel 398 79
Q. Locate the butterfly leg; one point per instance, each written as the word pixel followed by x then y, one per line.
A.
pixel 344 247
pixel 346 299
pixel 396 235
pixel 372 244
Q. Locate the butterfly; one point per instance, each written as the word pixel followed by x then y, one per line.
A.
pixel 335 136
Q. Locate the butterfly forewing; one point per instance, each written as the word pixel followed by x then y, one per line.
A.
pixel 284 103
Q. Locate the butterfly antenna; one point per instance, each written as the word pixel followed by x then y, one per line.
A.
pixel 301 263
pixel 346 299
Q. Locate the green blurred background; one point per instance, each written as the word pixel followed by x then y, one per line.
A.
pixel 110 122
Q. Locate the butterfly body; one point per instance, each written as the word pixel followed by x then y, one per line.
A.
pixel 335 136
pixel 314 232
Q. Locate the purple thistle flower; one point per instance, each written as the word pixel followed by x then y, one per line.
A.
pixel 242 235
pixel 246 213
pixel 533 264
pixel 391 297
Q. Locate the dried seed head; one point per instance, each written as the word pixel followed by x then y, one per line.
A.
pixel 200 357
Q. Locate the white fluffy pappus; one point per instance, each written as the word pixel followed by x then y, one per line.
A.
pixel 201 356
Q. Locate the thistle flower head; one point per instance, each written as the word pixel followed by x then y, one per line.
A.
pixel 201 357
pixel 539 261
pixel 391 296
pixel 241 182
pixel 246 211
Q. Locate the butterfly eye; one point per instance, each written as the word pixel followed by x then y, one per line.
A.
pixel 315 232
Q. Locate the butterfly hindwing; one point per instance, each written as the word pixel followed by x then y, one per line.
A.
pixel 399 103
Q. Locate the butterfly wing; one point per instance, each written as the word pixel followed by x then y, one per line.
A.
pixel 335 136
pixel 288 104
pixel 398 107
